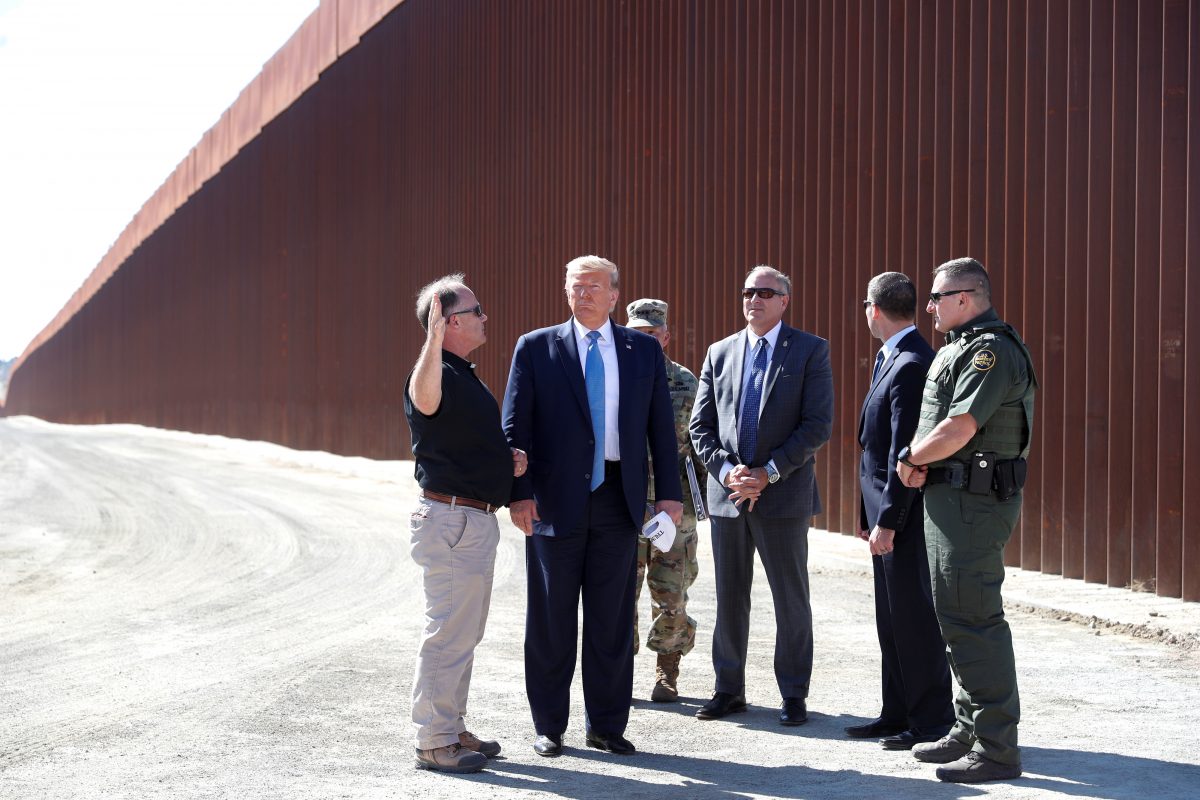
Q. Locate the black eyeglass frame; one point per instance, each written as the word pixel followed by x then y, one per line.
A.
pixel 936 297
pixel 764 293
pixel 477 310
pixel 868 303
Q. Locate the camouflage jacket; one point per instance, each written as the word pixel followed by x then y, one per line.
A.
pixel 682 384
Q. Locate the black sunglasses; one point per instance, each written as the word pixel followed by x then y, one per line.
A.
pixel 937 296
pixel 765 294
pixel 477 310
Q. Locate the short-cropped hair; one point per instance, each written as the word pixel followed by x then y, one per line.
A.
pixel 966 271
pixel 784 281
pixel 446 288
pixel 592 264
pixel 893 294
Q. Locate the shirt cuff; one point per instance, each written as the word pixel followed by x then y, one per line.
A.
pixel 724 471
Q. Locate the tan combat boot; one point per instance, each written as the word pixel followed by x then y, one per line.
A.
pixel 665 676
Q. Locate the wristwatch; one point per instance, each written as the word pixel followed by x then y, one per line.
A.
pixel 903 455
pixel 772 473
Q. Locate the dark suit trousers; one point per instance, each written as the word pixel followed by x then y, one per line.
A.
pixel 916 674
pixel 600 562
pixel 782 544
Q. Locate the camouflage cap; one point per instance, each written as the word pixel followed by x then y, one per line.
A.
pixel 646 313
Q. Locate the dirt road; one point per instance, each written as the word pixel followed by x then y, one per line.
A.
pixel 194 617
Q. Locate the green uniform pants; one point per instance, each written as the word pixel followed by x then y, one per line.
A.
pixel 965 536
pixel 669 575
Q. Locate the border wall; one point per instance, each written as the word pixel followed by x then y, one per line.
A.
pixel 265 291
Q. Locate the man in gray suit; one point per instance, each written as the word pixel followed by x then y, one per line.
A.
pixel 763 409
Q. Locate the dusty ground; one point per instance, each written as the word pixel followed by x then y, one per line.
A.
pixel 191 617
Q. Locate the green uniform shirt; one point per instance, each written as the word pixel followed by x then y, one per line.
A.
pixel 985 371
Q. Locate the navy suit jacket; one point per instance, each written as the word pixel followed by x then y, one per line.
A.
pixel 546 415
pixel 887 424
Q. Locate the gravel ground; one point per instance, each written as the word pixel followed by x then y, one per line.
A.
pixel 191 616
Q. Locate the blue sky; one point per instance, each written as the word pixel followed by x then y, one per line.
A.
pixel 99 101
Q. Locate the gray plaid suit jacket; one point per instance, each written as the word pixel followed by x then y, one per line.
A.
pixel 795 420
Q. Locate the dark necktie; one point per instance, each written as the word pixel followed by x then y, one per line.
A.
pixel 878 364
pixel 748 430
pixel 594 365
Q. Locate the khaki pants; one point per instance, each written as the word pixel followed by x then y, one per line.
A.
pixel 456 550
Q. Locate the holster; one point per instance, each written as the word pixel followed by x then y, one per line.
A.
pixel 1010 477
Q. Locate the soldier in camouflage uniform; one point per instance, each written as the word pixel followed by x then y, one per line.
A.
pixel 672 631
pixel 969 454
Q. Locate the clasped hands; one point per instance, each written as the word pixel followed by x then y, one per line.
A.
pixel 747 484
pixel 912 477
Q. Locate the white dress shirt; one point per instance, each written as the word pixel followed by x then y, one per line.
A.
pixel 771 337
pixel 612 382
pixel 889 347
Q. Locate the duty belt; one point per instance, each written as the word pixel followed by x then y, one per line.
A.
pixel 1006 477
pixel 954 473
pixel 452 501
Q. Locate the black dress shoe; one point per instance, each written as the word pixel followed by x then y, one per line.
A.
pixel 876 729
pixel 548 746
pixel 793 712
pixel 912 736
pixel 612 742
pixel 722 705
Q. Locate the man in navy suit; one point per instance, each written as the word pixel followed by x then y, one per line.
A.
pixel 916 675
pixel 583 398
pixel 763 410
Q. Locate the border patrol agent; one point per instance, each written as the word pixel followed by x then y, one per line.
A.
pixel 969 454
pixel 669 575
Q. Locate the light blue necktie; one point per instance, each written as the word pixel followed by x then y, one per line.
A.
pixel 748 431
pixel 594 366
pixel 878 364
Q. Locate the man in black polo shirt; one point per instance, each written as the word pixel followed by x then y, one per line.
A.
pixel 465 470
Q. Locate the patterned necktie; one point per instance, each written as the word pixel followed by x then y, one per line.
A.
pixel 748 431
pixel 594 367
pixel 878 364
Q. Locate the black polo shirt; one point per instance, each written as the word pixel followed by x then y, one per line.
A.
pixel 461 449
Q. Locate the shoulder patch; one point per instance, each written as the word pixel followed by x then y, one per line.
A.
pixel 984 360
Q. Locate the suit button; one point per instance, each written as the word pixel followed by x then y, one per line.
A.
pixel 587 475
pixel 592 442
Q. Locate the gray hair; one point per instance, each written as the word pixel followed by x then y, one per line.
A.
pixel 592 264
pixel 968 271
pixel 446 288
pixel 782 279
pixel 893 294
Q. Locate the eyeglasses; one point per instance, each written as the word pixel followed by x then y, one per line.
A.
pixel 477 310
pixel 867 303
pixel 766 294
pixel 935 297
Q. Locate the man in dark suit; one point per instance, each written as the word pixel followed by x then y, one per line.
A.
pixel 763 409
pixel 916 676
pixel 584 398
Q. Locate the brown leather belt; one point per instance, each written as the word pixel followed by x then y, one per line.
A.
pixel 453 501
